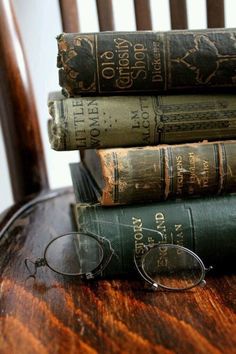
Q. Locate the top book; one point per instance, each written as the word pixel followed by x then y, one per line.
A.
pixel 147 61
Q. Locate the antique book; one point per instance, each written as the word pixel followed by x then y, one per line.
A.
pixel 115 121
pixel 154 173
pixel 146 61
pixel 205 225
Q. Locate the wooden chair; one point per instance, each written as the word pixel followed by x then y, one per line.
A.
pixel 53 314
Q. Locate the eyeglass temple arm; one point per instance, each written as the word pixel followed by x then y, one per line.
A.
pixel 203 281
pixel 40 262
pixel 208 269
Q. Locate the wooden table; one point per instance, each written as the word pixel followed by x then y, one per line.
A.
pixel 52 314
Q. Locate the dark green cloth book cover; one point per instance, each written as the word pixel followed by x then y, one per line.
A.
pixel 205 225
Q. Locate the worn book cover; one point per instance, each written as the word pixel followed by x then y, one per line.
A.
pixel 101 122
pixel 155 173
pixel 147 61
pixel 205 225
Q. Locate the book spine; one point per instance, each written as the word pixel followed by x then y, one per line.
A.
pixel 129 62
pixel 97 122
pixel 206 226
pixel 134 175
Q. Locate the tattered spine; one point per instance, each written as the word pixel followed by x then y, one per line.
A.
pixel 160 62
pixel 134 175
pixel 100 122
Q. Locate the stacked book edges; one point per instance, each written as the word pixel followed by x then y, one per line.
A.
pixel 154 116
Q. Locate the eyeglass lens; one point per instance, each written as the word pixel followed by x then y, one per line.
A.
pixel 73 254
pixel 170 266
pixel 173 267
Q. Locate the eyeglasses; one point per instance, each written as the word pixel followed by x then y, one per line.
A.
pixel 88 255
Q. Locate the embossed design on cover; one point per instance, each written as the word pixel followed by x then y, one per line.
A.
pixel 203 58
pixel 192 59
pixel 79 63
pixel 173 117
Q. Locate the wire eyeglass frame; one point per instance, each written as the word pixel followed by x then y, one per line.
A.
pixel 106 245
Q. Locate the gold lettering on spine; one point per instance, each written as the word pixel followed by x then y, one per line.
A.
pixel 94 122
pixel 79 122
pixel 180 177
pixel 139 68
pixel 140 119
pixel 135 119
pixel 160 226
pixel 138 235
pixel 119 63
pixel 179 236
pixel 156 64
pixel 206 171
pixel 162 260
pixel 124 80
pixel 108 65
pixel 192 171
pixel 145 120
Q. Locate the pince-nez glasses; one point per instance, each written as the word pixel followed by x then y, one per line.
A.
pixel 88 255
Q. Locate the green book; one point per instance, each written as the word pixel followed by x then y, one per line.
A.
pixel 147 61
pixel 115 121
pixel 206 226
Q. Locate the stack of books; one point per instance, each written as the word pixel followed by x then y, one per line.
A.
pixel 154 116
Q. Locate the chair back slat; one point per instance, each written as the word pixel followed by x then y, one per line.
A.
pixel 143 14
pixel 69 15
pixel 18 115
pixel 178 14
pixel 215 13
pixel 105 15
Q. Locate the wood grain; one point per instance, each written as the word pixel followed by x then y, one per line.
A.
pixel 105 15
pixel 215 13
pixel 69 15
pixel 143 14
pixel 52 314
pixel 178 14
pixel 18 112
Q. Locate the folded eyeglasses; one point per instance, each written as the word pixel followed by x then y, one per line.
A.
pixel 87 254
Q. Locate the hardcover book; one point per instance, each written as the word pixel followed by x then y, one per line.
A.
pixel 146 61
pixel 154 173
pixel 204 225
pixel 100 122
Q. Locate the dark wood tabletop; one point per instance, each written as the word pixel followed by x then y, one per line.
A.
pixel 54 314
